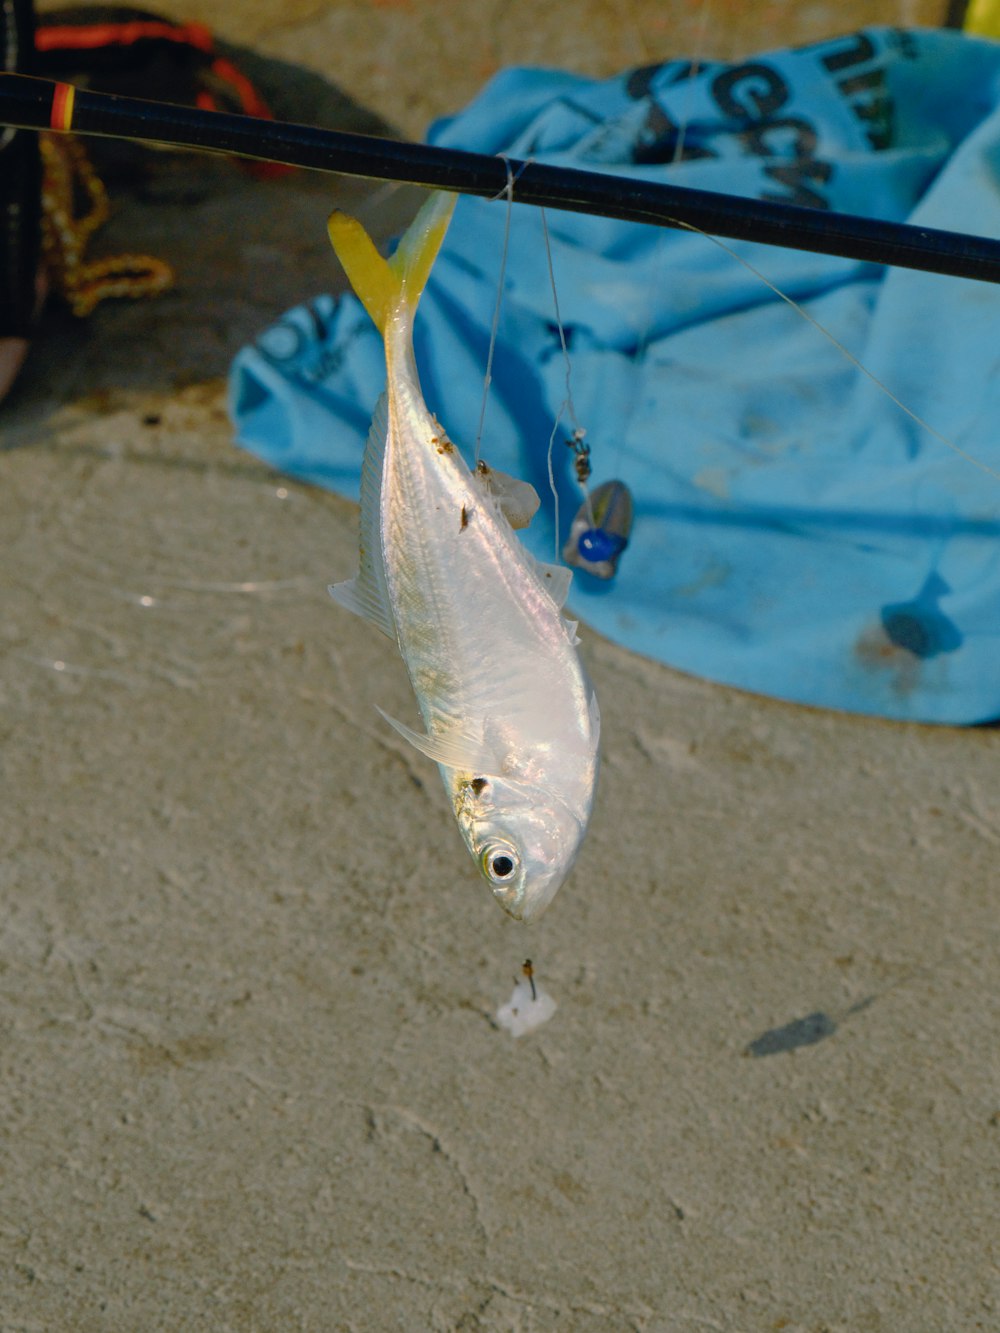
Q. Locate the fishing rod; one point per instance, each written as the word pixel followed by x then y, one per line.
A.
pixel 41 104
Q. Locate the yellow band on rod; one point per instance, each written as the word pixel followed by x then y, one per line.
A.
pixel 62 106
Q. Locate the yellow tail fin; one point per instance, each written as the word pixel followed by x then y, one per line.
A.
pixel 982 18
pixel 383 286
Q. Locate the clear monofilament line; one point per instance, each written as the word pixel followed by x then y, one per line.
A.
pixel 567 404
pixel 858 365
pixel 495 326
pixel 697 65
pixel 552 480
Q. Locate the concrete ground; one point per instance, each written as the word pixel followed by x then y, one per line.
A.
pixel 250 1077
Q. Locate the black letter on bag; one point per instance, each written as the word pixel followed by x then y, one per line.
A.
pixel 763 101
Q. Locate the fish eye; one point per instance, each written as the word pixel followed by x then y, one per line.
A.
pixel 499 863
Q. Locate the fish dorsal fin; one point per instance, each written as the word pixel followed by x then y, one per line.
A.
pixel 556 580
pixel 518 500
pixel 387 286
pixel 367 595
pixel 455 748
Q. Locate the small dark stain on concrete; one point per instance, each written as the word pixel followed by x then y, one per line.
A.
pixel 799 1032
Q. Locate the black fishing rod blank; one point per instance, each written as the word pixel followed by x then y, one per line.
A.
pixel 40 104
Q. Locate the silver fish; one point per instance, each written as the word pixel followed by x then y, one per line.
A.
pixel 511 718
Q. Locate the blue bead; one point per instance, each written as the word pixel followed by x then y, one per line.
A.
pixel 595 544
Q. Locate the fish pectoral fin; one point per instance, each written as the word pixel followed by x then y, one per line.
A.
pixel 518 500
pixel 352 596
pixel 455 749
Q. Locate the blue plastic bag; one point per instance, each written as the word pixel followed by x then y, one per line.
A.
pixel 796 533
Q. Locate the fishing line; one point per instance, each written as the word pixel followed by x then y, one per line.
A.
pixel 568 402
pixel 697 65
pixel 576 443
pixel 508 190
pixel 552 482
pixel 858 365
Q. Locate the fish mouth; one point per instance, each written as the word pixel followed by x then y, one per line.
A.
pixel 512 901
pixel 527 907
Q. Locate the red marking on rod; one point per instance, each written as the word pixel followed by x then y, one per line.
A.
pixel 61 117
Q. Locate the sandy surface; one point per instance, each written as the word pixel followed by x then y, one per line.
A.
pixel 250 1075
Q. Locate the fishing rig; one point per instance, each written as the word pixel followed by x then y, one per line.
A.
pixel 600 530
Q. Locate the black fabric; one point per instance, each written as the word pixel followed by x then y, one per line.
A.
pixel 174 62
pixel 20 183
